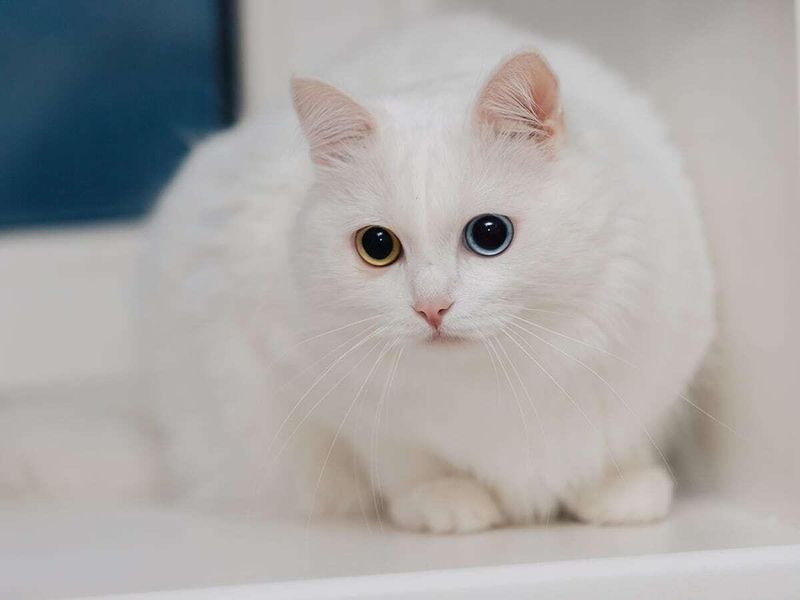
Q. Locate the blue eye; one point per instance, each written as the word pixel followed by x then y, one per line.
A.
pixel 488 235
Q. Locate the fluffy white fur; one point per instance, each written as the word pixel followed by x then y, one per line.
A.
pixel 290 375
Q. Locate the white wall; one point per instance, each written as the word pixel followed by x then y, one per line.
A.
pixel 724 75
pixel 281 38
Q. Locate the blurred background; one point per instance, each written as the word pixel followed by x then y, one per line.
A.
pixel 101 100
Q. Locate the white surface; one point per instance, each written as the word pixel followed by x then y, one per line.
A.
pixel 57 553
pixel 769 573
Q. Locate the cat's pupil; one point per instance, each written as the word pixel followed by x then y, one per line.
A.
pixel 377 243
pixel 489 232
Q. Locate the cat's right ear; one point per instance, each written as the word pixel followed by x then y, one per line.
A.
pixel 332 121
pixel 522 98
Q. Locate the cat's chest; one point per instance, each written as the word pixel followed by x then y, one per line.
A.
pixel 441 394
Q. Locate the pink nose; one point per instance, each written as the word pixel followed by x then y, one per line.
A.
pixel 433 311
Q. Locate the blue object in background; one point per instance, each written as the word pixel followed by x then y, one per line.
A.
pixel 100 100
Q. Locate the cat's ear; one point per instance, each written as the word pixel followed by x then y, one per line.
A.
pixel 522 98
pixel 331 120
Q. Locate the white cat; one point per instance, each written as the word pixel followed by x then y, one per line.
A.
pixel 476 300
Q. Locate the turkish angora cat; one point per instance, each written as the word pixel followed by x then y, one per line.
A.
pixel 469 304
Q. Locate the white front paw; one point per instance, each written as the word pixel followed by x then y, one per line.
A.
pixel 640 496
pixel 450 505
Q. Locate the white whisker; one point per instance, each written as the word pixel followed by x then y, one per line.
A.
pixel 630 364
pixel 510 385
pixel 318 336
pixel 302 372
pixel 577 406
pixel 713 418
pixel 525 429
pixel 613 391
pixel 524 388
pixel 316 382
pixel 494 367
pixel 375 480
pixel 321 399
pixel 340 427
pixel 572 339
pixel 541 310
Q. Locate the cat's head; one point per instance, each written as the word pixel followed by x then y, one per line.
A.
pixel 443 224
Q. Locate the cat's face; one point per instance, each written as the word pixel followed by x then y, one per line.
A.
pixel 444 228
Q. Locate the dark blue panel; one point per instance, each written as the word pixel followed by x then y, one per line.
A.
pixel 100 100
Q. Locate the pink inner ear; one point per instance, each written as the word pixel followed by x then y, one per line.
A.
pixel 522 97
pixel 330 119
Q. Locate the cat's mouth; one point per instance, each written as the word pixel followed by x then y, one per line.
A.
pixel 442 338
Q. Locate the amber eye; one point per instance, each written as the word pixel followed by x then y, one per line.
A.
pixel 377 246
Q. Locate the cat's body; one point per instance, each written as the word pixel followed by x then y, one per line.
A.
pixel 488 423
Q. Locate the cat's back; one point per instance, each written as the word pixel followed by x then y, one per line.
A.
pixel 218 239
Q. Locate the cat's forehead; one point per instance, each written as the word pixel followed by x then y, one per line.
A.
pixel 427 175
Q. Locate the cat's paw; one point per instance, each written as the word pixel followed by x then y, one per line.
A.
pixel 640 496
pixel 450 505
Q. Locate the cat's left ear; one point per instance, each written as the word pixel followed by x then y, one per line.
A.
pixel 331 120
pixel 522 98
